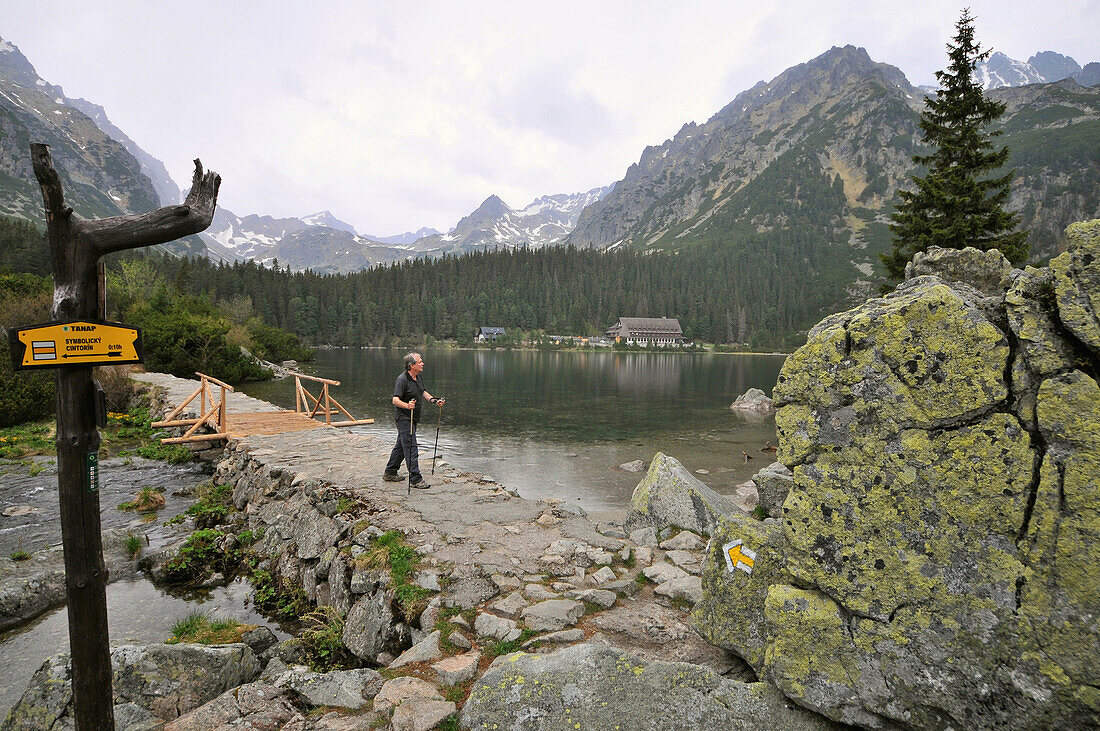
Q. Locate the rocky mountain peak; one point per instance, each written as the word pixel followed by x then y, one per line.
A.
pixel 15 67
pixel 1054 66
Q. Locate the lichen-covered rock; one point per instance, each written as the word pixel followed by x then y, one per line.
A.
pixel 670 495
pixel 589 686
pixel 937 560
pixel 925 356
pixel 1077 283
pixel 731 612
pixel 167 680
pixel 988 272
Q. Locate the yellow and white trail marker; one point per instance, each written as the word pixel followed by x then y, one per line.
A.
pixel 739 556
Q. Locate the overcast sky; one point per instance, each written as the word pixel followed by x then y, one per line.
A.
pixel 401 115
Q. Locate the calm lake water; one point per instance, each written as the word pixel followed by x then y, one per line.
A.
pixel 558 424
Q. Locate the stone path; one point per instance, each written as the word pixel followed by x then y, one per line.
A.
pixel 540 564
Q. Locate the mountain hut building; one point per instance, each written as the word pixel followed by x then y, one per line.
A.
pixel 489 333
pixel 646 331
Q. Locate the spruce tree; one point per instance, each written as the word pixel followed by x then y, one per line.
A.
pixel 958 203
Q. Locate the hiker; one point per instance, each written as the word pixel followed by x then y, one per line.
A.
pixel 408 393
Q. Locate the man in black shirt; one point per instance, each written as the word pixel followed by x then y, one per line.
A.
pixel 408 392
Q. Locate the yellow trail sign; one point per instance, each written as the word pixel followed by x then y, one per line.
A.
pixel 79 343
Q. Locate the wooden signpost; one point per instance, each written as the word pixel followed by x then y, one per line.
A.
pixel 76 244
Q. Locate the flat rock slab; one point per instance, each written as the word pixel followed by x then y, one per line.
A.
pixel 420 714
pixel 499 628
pixel 457 669
pixel 661 572
pixel 427 650
pixel 657 632
pixel 398 690
pixel 585 686
pixel 552 615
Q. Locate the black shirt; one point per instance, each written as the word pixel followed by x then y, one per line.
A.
pixel 406 389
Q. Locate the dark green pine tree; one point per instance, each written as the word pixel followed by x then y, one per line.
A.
pixel 960 202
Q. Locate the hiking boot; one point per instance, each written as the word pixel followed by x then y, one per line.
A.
pixel 393 477
pixel 420 485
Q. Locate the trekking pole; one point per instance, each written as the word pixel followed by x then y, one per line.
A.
pixel 408 464
pixel 435 454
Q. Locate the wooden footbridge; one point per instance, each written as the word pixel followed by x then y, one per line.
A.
pixel 225 425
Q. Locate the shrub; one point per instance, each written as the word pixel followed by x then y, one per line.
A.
pixel 323 642
pixel 24 395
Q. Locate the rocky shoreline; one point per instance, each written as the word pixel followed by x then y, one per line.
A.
pixel 927 554
pixel 494 572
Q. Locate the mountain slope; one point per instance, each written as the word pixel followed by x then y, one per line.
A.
pixel 101 178
pixel 819 153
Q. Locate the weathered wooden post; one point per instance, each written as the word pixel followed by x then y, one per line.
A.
pixel 76 244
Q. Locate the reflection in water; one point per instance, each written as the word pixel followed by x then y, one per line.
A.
pixel 137 613
pixel 558 423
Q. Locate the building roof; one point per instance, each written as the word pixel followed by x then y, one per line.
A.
pixel 492 331
pixel 648 326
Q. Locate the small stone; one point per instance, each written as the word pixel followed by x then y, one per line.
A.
pixel 490 625
pixel 661 572
pixel 344 688
pixel 425 549
pixel 600 597
pixel 460 640
pixel 457 669
pixel 646 536
pixel 510 605
pixel 684 540
pixel 687 587
pixel 600 557
pixel 611 531
pixel 562 586
pixel 430 615
pixel 505 583
pixel 428 580
pixel 702 472
pixel 420 714
pixel 548 519
pixel 556 638
pixel 686 560
pixel 538 592
pixel 643 555
pixel 426 650
pixel 397 691
pixel 603 576
pixel 623 587
pixel 552 615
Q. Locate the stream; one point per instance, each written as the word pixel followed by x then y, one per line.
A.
pixel 138 612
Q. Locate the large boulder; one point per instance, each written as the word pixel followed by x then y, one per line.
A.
pixel 592 686
pixel 670 495
pixel 753 400
pixel 373 629
pixel 166 680
pixel 937 561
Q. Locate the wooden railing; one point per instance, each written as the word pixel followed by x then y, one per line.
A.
pixel 213 418
pixel 302 397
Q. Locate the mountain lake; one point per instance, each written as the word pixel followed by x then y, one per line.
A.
pixel 557 424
